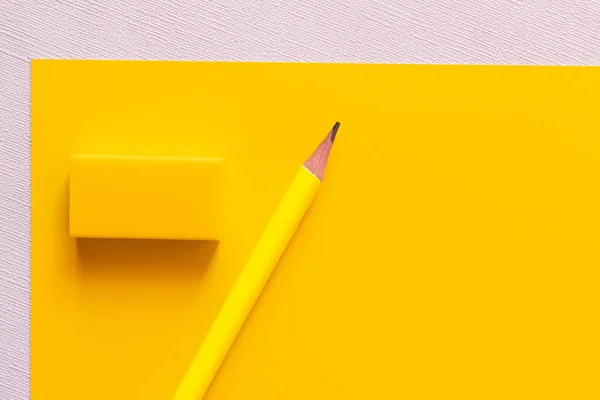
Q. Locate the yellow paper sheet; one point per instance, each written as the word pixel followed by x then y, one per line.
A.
pixel 452 252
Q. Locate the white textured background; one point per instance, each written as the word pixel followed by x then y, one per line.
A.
pixel 403 31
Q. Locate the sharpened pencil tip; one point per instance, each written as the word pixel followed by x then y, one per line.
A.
pixel 315 164
pixel 334 131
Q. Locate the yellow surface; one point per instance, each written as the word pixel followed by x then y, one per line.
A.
pixel 248 285
pixel 452 251
pixel 144 197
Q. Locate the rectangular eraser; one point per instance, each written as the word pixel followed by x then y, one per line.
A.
pixel 145 197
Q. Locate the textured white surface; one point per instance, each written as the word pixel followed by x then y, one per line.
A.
pixel 407 31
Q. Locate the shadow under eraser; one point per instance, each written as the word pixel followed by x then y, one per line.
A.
pixel 145 197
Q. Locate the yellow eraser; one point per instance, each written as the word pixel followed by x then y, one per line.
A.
pixel 145 197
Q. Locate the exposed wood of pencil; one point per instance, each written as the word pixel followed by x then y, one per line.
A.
pixel 318 160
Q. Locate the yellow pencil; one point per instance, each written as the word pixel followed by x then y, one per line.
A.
pixel 255 274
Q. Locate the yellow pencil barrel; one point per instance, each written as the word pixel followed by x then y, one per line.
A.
pixel 249 285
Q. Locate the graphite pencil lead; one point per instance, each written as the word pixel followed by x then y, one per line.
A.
pixel 334 131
